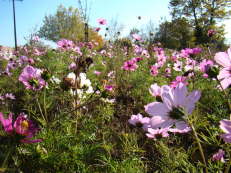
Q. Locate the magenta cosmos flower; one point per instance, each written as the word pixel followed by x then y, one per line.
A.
pixel 226 127
pixel 176 105
pixel 31 77
pixel 178 80
pixel 102 21
pixel 211 33
pixel 138 120
pixel 224 59
pixel 23 127
pixel 137 37
pixel 109 87
pixel 129 65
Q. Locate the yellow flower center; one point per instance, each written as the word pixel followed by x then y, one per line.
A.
pixel 25 125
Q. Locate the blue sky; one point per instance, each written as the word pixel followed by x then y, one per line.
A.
pixel 32 12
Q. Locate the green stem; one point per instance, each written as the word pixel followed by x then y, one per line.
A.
pixel 228 166
pixel 227 99
pixel 44 105
pixel 7 155
pixel 199 145
pixel 39 108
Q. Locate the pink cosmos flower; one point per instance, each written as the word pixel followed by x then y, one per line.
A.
pixel 36 38
pixel 211 33
pixel 178 80
pixel 137 37
pixel 153 123
pixel 102 21
pixel 72 66
pixel 23 59
pixel 167 72
pixel 138 120
pixel 204 65
pixel 224 59
pixel 186 130
pixel 31 77
pixel 157 133
pixel 90 45
pixel 156 91
pixel 226 127
pixel 65 44
pixel 111 74
pixel 97 29
pixel 36 52
pixel 22 127
pixel 103 63
pixel 129 65
pixel 174 103
pixel 31 60
pixel 12 97
pixel 218 156
pixel 97 72
pixel 154 71
pixel 191 52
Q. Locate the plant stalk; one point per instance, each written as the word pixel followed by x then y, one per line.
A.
pixel 199 145
pixel 7 155
pixel 227 99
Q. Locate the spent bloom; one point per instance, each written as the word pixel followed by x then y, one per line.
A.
pixel 224 59
pixel 175 107
pixel 23 128
pixel 31 77
pixel 102 21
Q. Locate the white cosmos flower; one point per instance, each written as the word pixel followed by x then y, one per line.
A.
pixel 83 82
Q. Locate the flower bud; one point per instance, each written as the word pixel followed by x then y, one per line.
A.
pixel 212 71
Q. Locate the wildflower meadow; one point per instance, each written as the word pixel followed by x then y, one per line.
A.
pixel 123 106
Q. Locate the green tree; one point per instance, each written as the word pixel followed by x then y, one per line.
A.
pixel 202 15
pixel 66 24
pixel 174 34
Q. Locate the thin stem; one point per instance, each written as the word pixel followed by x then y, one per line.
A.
pixel 7 155
pixel 199 145
pixel 45 109
pixel 227 99
pixel 76 105
pixel 228 166
pixel 40 110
